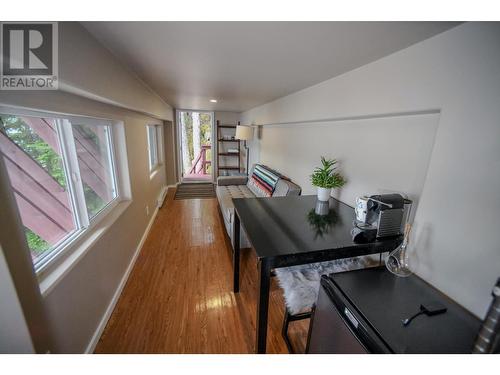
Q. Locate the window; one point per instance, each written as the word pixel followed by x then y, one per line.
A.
pixel 62 173
pixel 95 161
pixel 154 146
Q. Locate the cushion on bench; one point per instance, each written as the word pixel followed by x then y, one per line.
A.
pixel 231 180
pixel 225 194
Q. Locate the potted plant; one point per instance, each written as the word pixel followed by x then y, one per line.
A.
pixel 325 178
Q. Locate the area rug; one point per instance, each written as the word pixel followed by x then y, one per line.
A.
pixel 195 191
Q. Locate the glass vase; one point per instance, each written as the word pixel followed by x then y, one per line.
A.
pixel 397 262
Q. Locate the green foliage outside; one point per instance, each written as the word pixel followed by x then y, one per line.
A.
pixel 326 176
pixel 205 134
pixel 93 202
pixel 36 244
pixel 21 134
pixel 87 132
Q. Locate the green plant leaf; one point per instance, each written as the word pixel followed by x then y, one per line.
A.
pixel 326 176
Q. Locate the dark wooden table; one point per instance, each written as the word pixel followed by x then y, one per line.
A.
pixel 285 232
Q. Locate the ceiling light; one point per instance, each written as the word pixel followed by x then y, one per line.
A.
pixel 213 100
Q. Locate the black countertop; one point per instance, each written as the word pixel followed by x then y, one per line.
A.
pixel 384 300
pixel 280 227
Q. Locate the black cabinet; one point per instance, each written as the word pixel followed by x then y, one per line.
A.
pixel 362 312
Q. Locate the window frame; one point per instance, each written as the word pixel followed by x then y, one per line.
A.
pixel 84 226
pixel 155 138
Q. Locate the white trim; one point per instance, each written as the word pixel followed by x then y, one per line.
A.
pixel 121 160
pixel 429 111
pixel 58 268
pixel 72 169
pixel 69 88
pixel 162 196
pixel 155 147
pixel 63 249
pixel 154 172
pixel 161 146
pixel 180 167
pixel 107 314
pixel 34 112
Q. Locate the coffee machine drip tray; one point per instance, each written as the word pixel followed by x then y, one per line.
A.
pixel 364 226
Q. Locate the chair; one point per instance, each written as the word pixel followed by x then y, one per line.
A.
pixel 301 285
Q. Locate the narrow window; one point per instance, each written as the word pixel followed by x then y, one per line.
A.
pixel 155 149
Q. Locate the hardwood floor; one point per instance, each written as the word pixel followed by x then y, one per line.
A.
pixel 179 299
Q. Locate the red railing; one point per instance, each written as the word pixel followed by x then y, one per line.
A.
pixel 201 163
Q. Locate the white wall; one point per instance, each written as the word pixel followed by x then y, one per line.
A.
pixel 457 74
pixel 375 155
pixel 227 118
pixel 88 69
pixel 23 323
pixel 76 305
pixel 170 152
pixel 14 333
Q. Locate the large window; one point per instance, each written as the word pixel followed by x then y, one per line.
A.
pixel 62 173
pixel 154 146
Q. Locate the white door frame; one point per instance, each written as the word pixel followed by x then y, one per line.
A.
pixel 179 142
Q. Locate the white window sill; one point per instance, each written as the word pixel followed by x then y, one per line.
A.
pixel 59 267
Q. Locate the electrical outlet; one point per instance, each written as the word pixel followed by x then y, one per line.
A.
pixel 147 210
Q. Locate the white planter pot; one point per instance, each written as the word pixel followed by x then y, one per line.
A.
pixel 324 194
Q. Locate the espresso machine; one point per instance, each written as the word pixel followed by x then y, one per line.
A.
pixel 381 215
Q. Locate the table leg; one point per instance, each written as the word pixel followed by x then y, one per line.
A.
pixel 263 304
pixel 236 253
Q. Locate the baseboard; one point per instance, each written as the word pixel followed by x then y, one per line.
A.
pixel 107 314
pixel 162 196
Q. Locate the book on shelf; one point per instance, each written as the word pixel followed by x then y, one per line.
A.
pixel 232 151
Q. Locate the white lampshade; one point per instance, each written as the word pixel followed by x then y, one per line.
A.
pixel 244 133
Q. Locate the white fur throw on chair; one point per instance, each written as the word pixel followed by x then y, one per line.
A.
pixel 300 284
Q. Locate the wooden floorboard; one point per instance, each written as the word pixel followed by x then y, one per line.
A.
pixel 178 298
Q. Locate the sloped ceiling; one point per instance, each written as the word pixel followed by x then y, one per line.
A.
pixel 246 64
